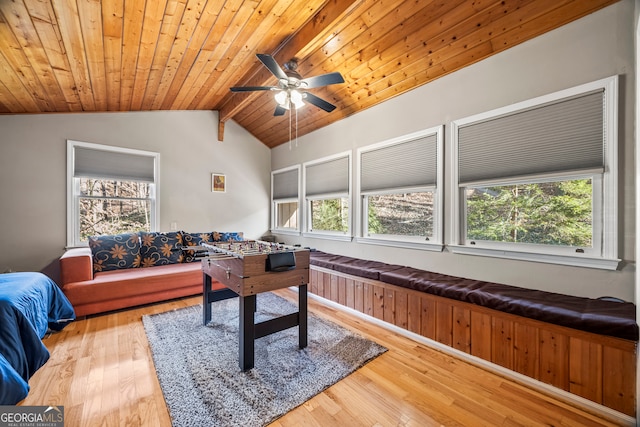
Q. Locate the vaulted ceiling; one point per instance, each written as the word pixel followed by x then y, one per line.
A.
pixel 140 55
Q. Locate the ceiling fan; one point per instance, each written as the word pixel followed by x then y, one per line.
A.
pixel 292 88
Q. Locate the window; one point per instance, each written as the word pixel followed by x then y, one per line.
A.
pixel 399 195
pixel 537 180
pixel 111 190
pixel 327 194
pixel 285 209
pixel 557 213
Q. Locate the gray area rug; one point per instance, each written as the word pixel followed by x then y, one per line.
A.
pixel 198 370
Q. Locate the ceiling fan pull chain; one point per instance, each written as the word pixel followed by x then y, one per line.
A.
pixel 289 124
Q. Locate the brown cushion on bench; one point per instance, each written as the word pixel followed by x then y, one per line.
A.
pixel 322 259
pixel 349 265
pixel 591 315
pixel 363 268
pixel 402 276
pixel 433 283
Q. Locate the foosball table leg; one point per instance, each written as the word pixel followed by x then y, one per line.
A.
pixel 247 332
pixel 302 315
pixel 209 296
pixel 206 306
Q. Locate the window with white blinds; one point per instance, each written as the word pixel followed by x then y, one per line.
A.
pixel 286 183
pixel 111 190
pixel 91 162
pixel 329 176
pixel 327 192
pixel 560 136
pixel 537 180
pixel 399 194
pixel 411 163
pixel 285 206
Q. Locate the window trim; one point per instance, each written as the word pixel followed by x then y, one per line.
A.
pixel 274 211
pixel 607 226
pixel 413 242
pixel 73 190
pixel 327 234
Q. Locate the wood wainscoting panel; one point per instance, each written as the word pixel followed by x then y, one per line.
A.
pixel 428 321
pixel 502 342
pixel 350 295
pixel 414 309
pixel 444 322
pixel 401 310
pixel 525 350
pixel 481 331
pixel 585 363
pixel 367 298
pixel 554 359
pixel 378 301
pixel 619 379
pixel 359 295
pixel 462 329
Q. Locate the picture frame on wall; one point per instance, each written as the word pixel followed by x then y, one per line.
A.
pixel 218 183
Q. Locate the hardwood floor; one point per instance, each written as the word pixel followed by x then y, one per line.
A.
pixel 102 373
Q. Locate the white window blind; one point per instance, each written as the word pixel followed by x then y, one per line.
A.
pixel 408 164
pixel 285 184
pixel 566 135
pixel 95 163
pixel 328 177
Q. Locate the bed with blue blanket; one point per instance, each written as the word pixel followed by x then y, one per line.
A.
pixel 30 304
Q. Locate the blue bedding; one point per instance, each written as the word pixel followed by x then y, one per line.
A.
pixel 30 304
pixel 12 387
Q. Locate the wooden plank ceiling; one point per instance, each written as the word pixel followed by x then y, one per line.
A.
pixel 139 55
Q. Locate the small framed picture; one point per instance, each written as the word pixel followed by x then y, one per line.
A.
pixel 218 183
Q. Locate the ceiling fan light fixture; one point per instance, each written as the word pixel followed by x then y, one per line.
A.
pixel 287 97
pixel 296 98
pixel 282 98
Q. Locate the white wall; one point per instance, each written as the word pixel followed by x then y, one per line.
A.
pixel 33 176
pixel 597 46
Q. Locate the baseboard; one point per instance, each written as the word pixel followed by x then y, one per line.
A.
pixel 571 399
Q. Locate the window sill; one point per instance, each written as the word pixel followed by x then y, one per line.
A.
pixel 339 237
pixel 79 245
pixel 285 231
pixel 425 246
pixel 576 261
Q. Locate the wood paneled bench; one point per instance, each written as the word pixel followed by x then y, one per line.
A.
pixel 581 345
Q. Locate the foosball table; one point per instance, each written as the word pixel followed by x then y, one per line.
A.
pixel 247 268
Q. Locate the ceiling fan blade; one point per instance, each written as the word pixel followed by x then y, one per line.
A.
pixel 280 110
pixel 251 88
pixel 322 80
pixel 319 102
pixel 272 65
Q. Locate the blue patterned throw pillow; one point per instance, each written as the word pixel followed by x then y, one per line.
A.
pixel 115 252
pixel 194 239
pixel 227 237
pixel 160 248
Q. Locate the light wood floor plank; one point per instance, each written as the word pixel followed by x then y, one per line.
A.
pixel 101 371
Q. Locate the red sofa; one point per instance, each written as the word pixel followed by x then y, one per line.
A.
pixel 116 289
